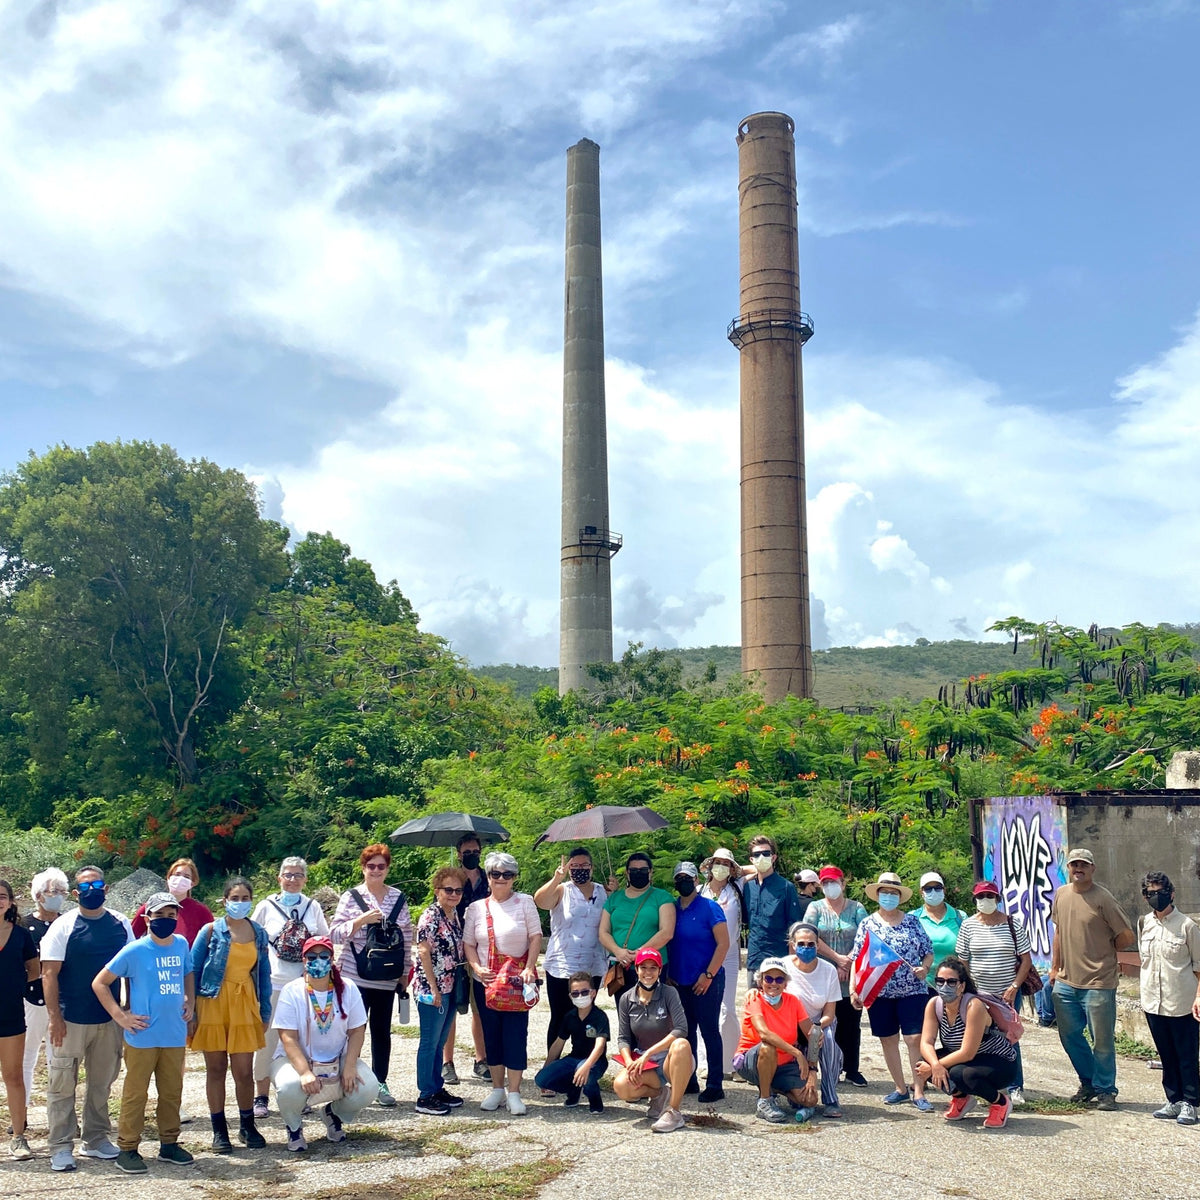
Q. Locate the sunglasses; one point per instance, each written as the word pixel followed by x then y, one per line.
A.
pixel 932 887
pixel 760 854
pixel 580 995
pixel 452 891
pixel 774 979
pixel 377 866
pixel 502 874
pixel 318 958
pixel 943 980
pixel 92 885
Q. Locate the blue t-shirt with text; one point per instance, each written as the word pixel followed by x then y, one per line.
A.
pixel 156 977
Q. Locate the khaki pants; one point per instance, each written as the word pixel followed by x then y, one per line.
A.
pixel 98 1048
pixel 165 1063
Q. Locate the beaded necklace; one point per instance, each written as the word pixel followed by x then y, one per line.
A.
pixel 322 1013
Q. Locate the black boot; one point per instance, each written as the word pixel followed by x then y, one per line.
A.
pixel 248 1135
pixel 221 1143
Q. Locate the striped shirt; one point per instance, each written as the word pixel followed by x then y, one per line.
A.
pixel 993 1041
pixel 988 951
pixel 344 935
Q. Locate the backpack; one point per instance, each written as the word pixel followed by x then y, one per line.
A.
pixel 288 943
pixel 1003 1015
pixel 381 960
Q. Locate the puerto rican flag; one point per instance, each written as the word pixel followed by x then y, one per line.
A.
pixel 877 962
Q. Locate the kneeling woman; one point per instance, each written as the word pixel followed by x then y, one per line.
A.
pixel 321 1022
pixel 976 1058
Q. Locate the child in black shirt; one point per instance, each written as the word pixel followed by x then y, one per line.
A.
pixel 587 1030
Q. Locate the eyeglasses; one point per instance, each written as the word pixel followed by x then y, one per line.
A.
pixel 55 892
pixel 502 874
pixel 377 866
pixel 292 875
pixel 92 885
pixel 581 995
pixel 452 891
pixel 774 979
pixel 943 980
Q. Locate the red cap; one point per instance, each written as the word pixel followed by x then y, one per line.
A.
pixel 985 887
pixel 827 873
pixel 647 954
pixel 316 943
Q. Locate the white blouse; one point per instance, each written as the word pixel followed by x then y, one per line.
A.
pixel 574 943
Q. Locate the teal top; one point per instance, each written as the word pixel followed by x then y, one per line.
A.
pixel 943 934
pixel 621 909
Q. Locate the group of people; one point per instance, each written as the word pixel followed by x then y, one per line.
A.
pixel 275 995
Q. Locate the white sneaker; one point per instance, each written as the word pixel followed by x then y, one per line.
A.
pixel 104 1150
pixel 516 1105
pixel 493 1100
pixel 671 1120
pixel 1014 1094
pixel 62 1160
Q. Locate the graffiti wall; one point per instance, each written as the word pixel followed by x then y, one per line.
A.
pixel 1024 852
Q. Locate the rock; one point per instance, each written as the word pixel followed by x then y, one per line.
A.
pixel 131 893
pixel 1183 772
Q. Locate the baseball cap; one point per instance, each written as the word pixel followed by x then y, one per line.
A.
pixel 772 964
pixel 685 868
pixel 1080 856
pixel 160 900
pixel 317 943
pixel 985 887
pixel 829 873
pixel 808 876
pixel 647 954
pixel 931 877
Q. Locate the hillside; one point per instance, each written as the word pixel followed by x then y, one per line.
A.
pixel 845 675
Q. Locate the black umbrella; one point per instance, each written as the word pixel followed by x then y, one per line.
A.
pixel 445 828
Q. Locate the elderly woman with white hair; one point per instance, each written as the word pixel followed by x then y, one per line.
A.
pixel 502 937
pixel 49 889
pixel 290 918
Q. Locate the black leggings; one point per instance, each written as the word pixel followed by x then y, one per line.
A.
pixel 379 1005
pixel 985 1076
pixel 848 1034
pixel 558 993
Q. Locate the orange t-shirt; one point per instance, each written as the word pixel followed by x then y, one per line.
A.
pixel 783 1021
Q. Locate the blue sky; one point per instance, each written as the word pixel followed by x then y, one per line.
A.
pixel 322 242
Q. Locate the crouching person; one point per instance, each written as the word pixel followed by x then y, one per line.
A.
pixel 321 1021
pixel 656 1060
pixel 586 1028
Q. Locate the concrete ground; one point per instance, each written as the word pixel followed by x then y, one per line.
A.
pixel 872 1151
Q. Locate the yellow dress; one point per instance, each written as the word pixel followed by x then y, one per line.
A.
pixel 229 1021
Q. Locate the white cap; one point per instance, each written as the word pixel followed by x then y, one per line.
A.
pixel 930 877
pixel 807 876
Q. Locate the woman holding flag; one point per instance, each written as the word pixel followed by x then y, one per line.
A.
pixel 892 954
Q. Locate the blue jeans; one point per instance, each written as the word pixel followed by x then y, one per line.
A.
pixel 557 1075
pixel 435 1025
pixel 1095 1009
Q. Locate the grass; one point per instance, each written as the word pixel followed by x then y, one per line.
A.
pixel 1053 1106
pixel 711 1120
pixel 1129 1047
pixel 522 1181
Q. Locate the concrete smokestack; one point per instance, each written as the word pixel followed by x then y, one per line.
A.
pixel 585 608
pixel 769 332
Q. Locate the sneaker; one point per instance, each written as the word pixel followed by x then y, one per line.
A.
pixel 250 1137
pixel 997 1116
pixel 1106 1102
pixel 572 1100
pixel 431 1106
pixel 712 1094
pixel 1084 1093
pixel 516 1106
pixel 671 1120
pixel 493 1100
pixel 333 1125
pixel 480 1069
pixel 296 1141
pixel 658 1102
pixel 131 1162
pixel 450 1075
pixel 19 1149
pixel 261 1108
pixel 444 1097
pixel 185 1117
pixel 768 1110
pixel 1187 1114
pixel 1016 1096
pixel 386 1099
pixel 104 1149
pixel 959 1107
pixel 595 1104
pixel 899 1096
pixel 172 1152
pixel 62 1160
pixel 921 1104
pixel 1168 1112
pixel 856 1079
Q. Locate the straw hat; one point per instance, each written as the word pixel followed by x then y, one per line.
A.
pixel 888 879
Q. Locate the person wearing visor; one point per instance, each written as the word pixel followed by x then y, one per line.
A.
pixel 976 1058
pixel 1169 949
pixel 723 883
pixel 899 1008
pixel 997 952
pixel 697 972
pixel 815 984
pixel 656 1060
pixel 942 921
pixel 162 995
pixel 769 1056
pixel 837 918
pixel 772 906
pixel 321 1022
pixel 76 948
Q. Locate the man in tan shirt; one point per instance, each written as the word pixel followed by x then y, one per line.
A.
pixel 1089 929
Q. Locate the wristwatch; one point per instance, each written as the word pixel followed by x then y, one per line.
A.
pixel 708 975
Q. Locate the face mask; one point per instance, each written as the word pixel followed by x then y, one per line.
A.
pixel 93 898
pixel 237 909
pixel 936 897
pixel 53 903
pixel 685 885
pixel 290 899
pixel 833 891
pixel 162 927
pixel 648 987
pixel 889 901
pixel 720 874
pixel 638 877
pixel 319 965
pixel 470 860
pixel 1159 900
pixel 179 885
pixel 947 991
pixel 806 954
pixel 773 1001
pixel 581 1001
pixel 762 863
pixel 986 905
pixel 581 875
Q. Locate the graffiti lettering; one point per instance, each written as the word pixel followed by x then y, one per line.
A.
pixel 1025 860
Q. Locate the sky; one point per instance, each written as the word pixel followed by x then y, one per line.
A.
pixel 322 241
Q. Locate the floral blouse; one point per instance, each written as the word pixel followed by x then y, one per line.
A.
pixel 910 941
pixel 443 936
